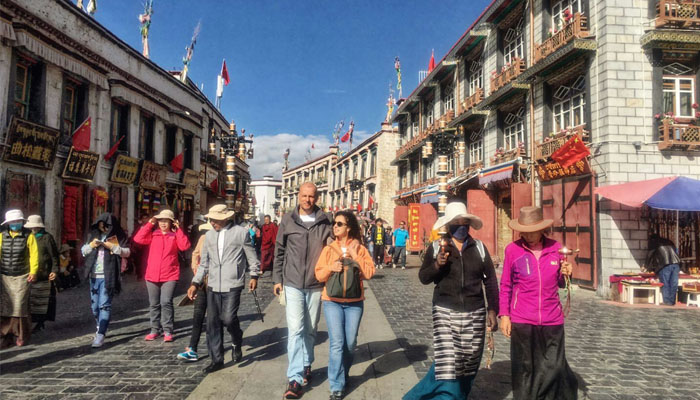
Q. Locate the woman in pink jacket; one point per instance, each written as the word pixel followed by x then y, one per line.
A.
pixel 164 238
pixel 530 311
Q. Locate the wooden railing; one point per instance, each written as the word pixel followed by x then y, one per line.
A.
pixel 508 74
pixel 471 101
pixel 678 136
pixel 509 155
pixel 414 141
pixel 544 149
pixel 678 14
pixel 576 29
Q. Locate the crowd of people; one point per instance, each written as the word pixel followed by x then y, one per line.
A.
pixel 318 262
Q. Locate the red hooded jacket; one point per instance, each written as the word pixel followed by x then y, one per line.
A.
pixel 163 264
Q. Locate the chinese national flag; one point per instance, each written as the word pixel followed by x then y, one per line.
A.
pixel 359 207
pixel 371 202
pixel 214 185
pixel 178 162
pixel 224 74
pixel 81 136
pixel 571 152
pixel 431 65
pixel 114 149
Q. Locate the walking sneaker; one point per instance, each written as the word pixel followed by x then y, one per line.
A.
pixel 306 375
pixel 403 267
pixel 99 340
pixel 294 390
pixel 168 337
pixel 188 355
pixel 336 396
pixel 151 337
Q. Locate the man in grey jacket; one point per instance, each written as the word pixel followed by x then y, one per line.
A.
pixel 300 239
pixel 226 251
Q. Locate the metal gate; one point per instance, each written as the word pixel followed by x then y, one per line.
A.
pixel 570 203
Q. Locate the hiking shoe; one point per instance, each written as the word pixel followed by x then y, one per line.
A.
pixel 168 337
pixel 188 355
pixel 99 340
pixel 294 390
pixel 151 337
pixel 306 375
pixel 336 396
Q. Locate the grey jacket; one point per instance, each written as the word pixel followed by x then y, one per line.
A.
pixel 297 250
pixel 229 271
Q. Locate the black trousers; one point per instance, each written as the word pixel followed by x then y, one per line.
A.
pixel 222 312
pixel 378 255
pixel 200 310
pixel 538 364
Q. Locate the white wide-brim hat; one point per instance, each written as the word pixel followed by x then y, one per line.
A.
pixel 219 213
pixel 13 215
pixel 457 210
pixel 165 214
pixel 34 221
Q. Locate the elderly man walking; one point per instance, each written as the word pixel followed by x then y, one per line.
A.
pixel 300 239
pixel 226 252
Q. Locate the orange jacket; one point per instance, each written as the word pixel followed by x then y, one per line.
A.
pixel 329 256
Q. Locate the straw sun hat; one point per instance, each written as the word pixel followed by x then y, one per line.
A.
pixel 165 214
pixel 219 213
pixel 457 210
pixel 530 219
pixel 34 221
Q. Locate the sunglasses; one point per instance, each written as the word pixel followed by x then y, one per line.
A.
pixel 340 224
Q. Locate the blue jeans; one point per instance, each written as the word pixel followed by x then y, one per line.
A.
pixel 668 275
pixel 101 304
pixel 343 320
pixel 303 312
pixel 400 256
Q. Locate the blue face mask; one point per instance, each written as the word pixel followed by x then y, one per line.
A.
pixel 16 227
pixel 459 232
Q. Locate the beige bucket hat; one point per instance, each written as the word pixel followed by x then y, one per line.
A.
pixel 219 213
pixel 34 221
pixel 165 214
pixel 456 210
pixel 530 219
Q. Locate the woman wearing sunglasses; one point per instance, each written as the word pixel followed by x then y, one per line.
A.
pixel 342 266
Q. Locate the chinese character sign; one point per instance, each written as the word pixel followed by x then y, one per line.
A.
pixel 31 144
pixel 125 170
pixel 81 165
pixel 414 243
pixel 153 176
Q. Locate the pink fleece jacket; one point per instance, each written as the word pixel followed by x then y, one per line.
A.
pixel 163 264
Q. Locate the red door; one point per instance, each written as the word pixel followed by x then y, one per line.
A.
pixel 481 203
pixel 569 202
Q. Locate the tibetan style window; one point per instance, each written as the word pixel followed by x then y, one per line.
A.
pixel 355 168
pixel 28 96
pixel 414 171
pixel 72 105
pixel 558 9
pixel 415 129
pixel 513 43
pixel 476 151
pixel 679 90
pixel 476 76
pixel 569 103
pixel 189 150
pixel 428 168
pixel 429 114
pixel 373 162
pixel 146 136
pixel 170 140
pixel 363 168
pixel 448 99
pixel 120 126
pixel 514 130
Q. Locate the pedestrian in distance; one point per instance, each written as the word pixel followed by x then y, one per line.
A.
pixel 379 240
pixel 42 301
pixel 459 266
pixel 302 235
pixel 200 300
pixel 400 238
pixel 19 262
pixel 342 266
pixel 662 259
pixel 267 245
pixel 164 238
pixel 531 313
pixel 67 274
pixel 226 251
pixel 103 252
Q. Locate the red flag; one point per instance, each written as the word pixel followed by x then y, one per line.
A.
pixel 178 162
pixel 431 65
pixel 214 185
pixel 371 202
pixel 224 74
pixel 348 134
pixel 81 136
pixel 114 149
pixel 571 152
pixel 359 207
pixel 313 146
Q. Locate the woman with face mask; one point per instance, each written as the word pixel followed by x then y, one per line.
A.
pixel 531 313
pixel 19 262
pixel 458 265
pixel 43 297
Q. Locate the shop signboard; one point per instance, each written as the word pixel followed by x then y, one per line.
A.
pixel 414 243
pixel 212 175
pixel 80 165
pixel 190 179
pixel 551 170
pixel 31 144
pixel 125 170
pixel 153 176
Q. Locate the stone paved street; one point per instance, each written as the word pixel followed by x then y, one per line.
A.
pixel 616 352
pixel 61 364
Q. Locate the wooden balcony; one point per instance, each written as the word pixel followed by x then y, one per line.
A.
pixel 471 101
pixel 678 14
pixel 577 28
pixel 508 74
pixel 509 155
pixel 415 141
pixel 679 136
pixel 544 150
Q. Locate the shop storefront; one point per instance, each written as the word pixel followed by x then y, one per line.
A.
pixel 123 177
pixel 151 189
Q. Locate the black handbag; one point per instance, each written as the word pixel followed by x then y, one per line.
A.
pixel 346 283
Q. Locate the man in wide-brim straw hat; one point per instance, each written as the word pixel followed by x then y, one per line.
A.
pixel 530 311
pixel 226 251
pixel 458 266
pixel 19 262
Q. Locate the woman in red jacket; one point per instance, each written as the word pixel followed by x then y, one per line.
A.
pixel 162 270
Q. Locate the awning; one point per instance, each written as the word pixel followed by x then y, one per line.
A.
pixel 670 193
pixel 430 195
pixel 497 173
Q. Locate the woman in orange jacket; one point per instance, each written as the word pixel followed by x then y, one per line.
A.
pixel 343 313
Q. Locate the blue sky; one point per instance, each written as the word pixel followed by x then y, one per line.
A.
pixel 298 67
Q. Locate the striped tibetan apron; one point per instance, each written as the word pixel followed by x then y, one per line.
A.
pixel 458 341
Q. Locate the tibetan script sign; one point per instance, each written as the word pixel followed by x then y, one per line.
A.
pixel 125 170
pixel 414 242
pixel 81 165
pixel 153 176
pixel 552 170
pixel 191 180
pixel 31 144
